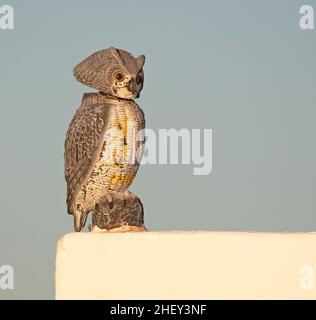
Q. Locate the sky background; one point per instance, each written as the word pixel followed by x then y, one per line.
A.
pixel 242 68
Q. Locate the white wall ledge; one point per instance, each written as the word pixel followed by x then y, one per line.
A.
pixel 186 265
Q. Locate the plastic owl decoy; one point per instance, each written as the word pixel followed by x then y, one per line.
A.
pixel 104 144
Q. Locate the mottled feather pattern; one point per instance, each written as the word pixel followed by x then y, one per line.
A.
pixel 88 173
pixel 83 143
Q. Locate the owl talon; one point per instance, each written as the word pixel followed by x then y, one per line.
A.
pixel 105 203
pixel 125 209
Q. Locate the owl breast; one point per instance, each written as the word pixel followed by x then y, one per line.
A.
pixel 118 160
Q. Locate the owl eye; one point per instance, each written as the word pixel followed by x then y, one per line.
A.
pixel 139 79
pixel 119 76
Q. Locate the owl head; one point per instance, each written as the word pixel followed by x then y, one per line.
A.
pixel 112 71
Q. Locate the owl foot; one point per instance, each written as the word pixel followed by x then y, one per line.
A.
pixel 123 214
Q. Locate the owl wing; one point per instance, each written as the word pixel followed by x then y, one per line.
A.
pixel 83 144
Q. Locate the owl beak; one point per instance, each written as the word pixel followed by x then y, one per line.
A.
pixel 131 87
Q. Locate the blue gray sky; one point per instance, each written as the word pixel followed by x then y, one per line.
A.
pixel 242 68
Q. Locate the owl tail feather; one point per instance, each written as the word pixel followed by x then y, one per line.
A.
pixel 79 220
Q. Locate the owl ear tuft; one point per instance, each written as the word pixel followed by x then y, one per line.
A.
pixel 116 54
pixel 140 61
pixel 83 72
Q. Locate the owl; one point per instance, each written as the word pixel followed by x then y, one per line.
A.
pixel 103 146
